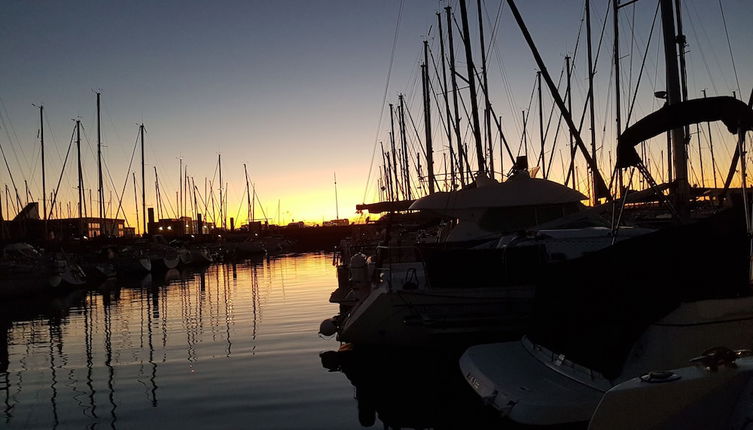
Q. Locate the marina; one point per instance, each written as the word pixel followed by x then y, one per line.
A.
pixel 556 227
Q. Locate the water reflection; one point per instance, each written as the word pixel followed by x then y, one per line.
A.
pixel 410 388
pixel 137 352
pixel 236 343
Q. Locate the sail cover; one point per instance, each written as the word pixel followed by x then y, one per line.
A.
pixel 515 192
pixel 732 112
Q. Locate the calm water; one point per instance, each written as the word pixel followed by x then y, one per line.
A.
pixel 233 346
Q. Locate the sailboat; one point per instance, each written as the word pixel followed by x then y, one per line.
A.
pixel 644 304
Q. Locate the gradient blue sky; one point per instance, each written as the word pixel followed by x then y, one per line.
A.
pixel 292 88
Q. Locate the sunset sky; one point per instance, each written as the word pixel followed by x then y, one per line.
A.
pixel 295 89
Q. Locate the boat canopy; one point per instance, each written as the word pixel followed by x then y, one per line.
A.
pixel 732 112
pixel 518 191
pixel 379 207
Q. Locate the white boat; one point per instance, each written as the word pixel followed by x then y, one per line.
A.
pixel 715 393
pixel 534 385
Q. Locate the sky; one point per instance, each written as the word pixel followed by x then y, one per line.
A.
pixel 296 90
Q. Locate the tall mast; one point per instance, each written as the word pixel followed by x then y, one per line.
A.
pixel 446 103
pixel 179 203
pixel 156 194
pixel 427 118
pixel 44 185
pixel 195 203
pixel 100 188
pixel 248 199
pixel 80 172
pixel 394 152
pixel 617 89
pixel 525 133
pixel 570 108
pixel 337 206
pixel 136 202
pixel 454 80
pixel 404 143
pixel 541 126
pixel 472 87
pixel 487 105
pixel 222 212
pixel 387 184
pixel 592 121
pixel 600 186
pixel 679 154
pixel 143 183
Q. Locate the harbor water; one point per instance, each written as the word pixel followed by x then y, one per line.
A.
pixel 232 346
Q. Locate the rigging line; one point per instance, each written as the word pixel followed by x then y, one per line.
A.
pixel 632 48
pixel 445 126
pixel 5 128
pixel 551 111
pixel 237 214
pixel 729 46
pixel 643 63
pixel 55 144
pixel 495 26
pixel 700 49
pixel 384 98
pixel 585 104
pixel 62 171
pixel 418 137
pixel 258 200
pixel 10 174
pixel 109 176
pixel 524 134
pixel 128 172
pixel 9 126
pixel 161 187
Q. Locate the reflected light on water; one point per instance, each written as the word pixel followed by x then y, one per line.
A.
pixel 217 348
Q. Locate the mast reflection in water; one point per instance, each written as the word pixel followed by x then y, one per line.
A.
pixel 229 347
pixel 235 345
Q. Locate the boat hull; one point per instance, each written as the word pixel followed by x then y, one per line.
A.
pixel 438 317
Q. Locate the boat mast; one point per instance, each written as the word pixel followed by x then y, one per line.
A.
pixel 136 202
pixel 248 199
pixel 337 206
pixel 487 104
pixel 404 144
pixel 80 179
pixel 156 194
pixel 601 187
pixel 222 218
pixel 571 174
pixel 472 87
pixel 446 103
pixel 100 189
pixel 427 118
pixel 541 125
pixel 592 121
pixel 44 185
pixel 143 190
pixel 394 152
pixel 179 202
pixel 454 81
pixel 679 152
pixel 617 95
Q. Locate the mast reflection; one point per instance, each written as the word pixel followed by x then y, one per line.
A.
pixel 409 388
